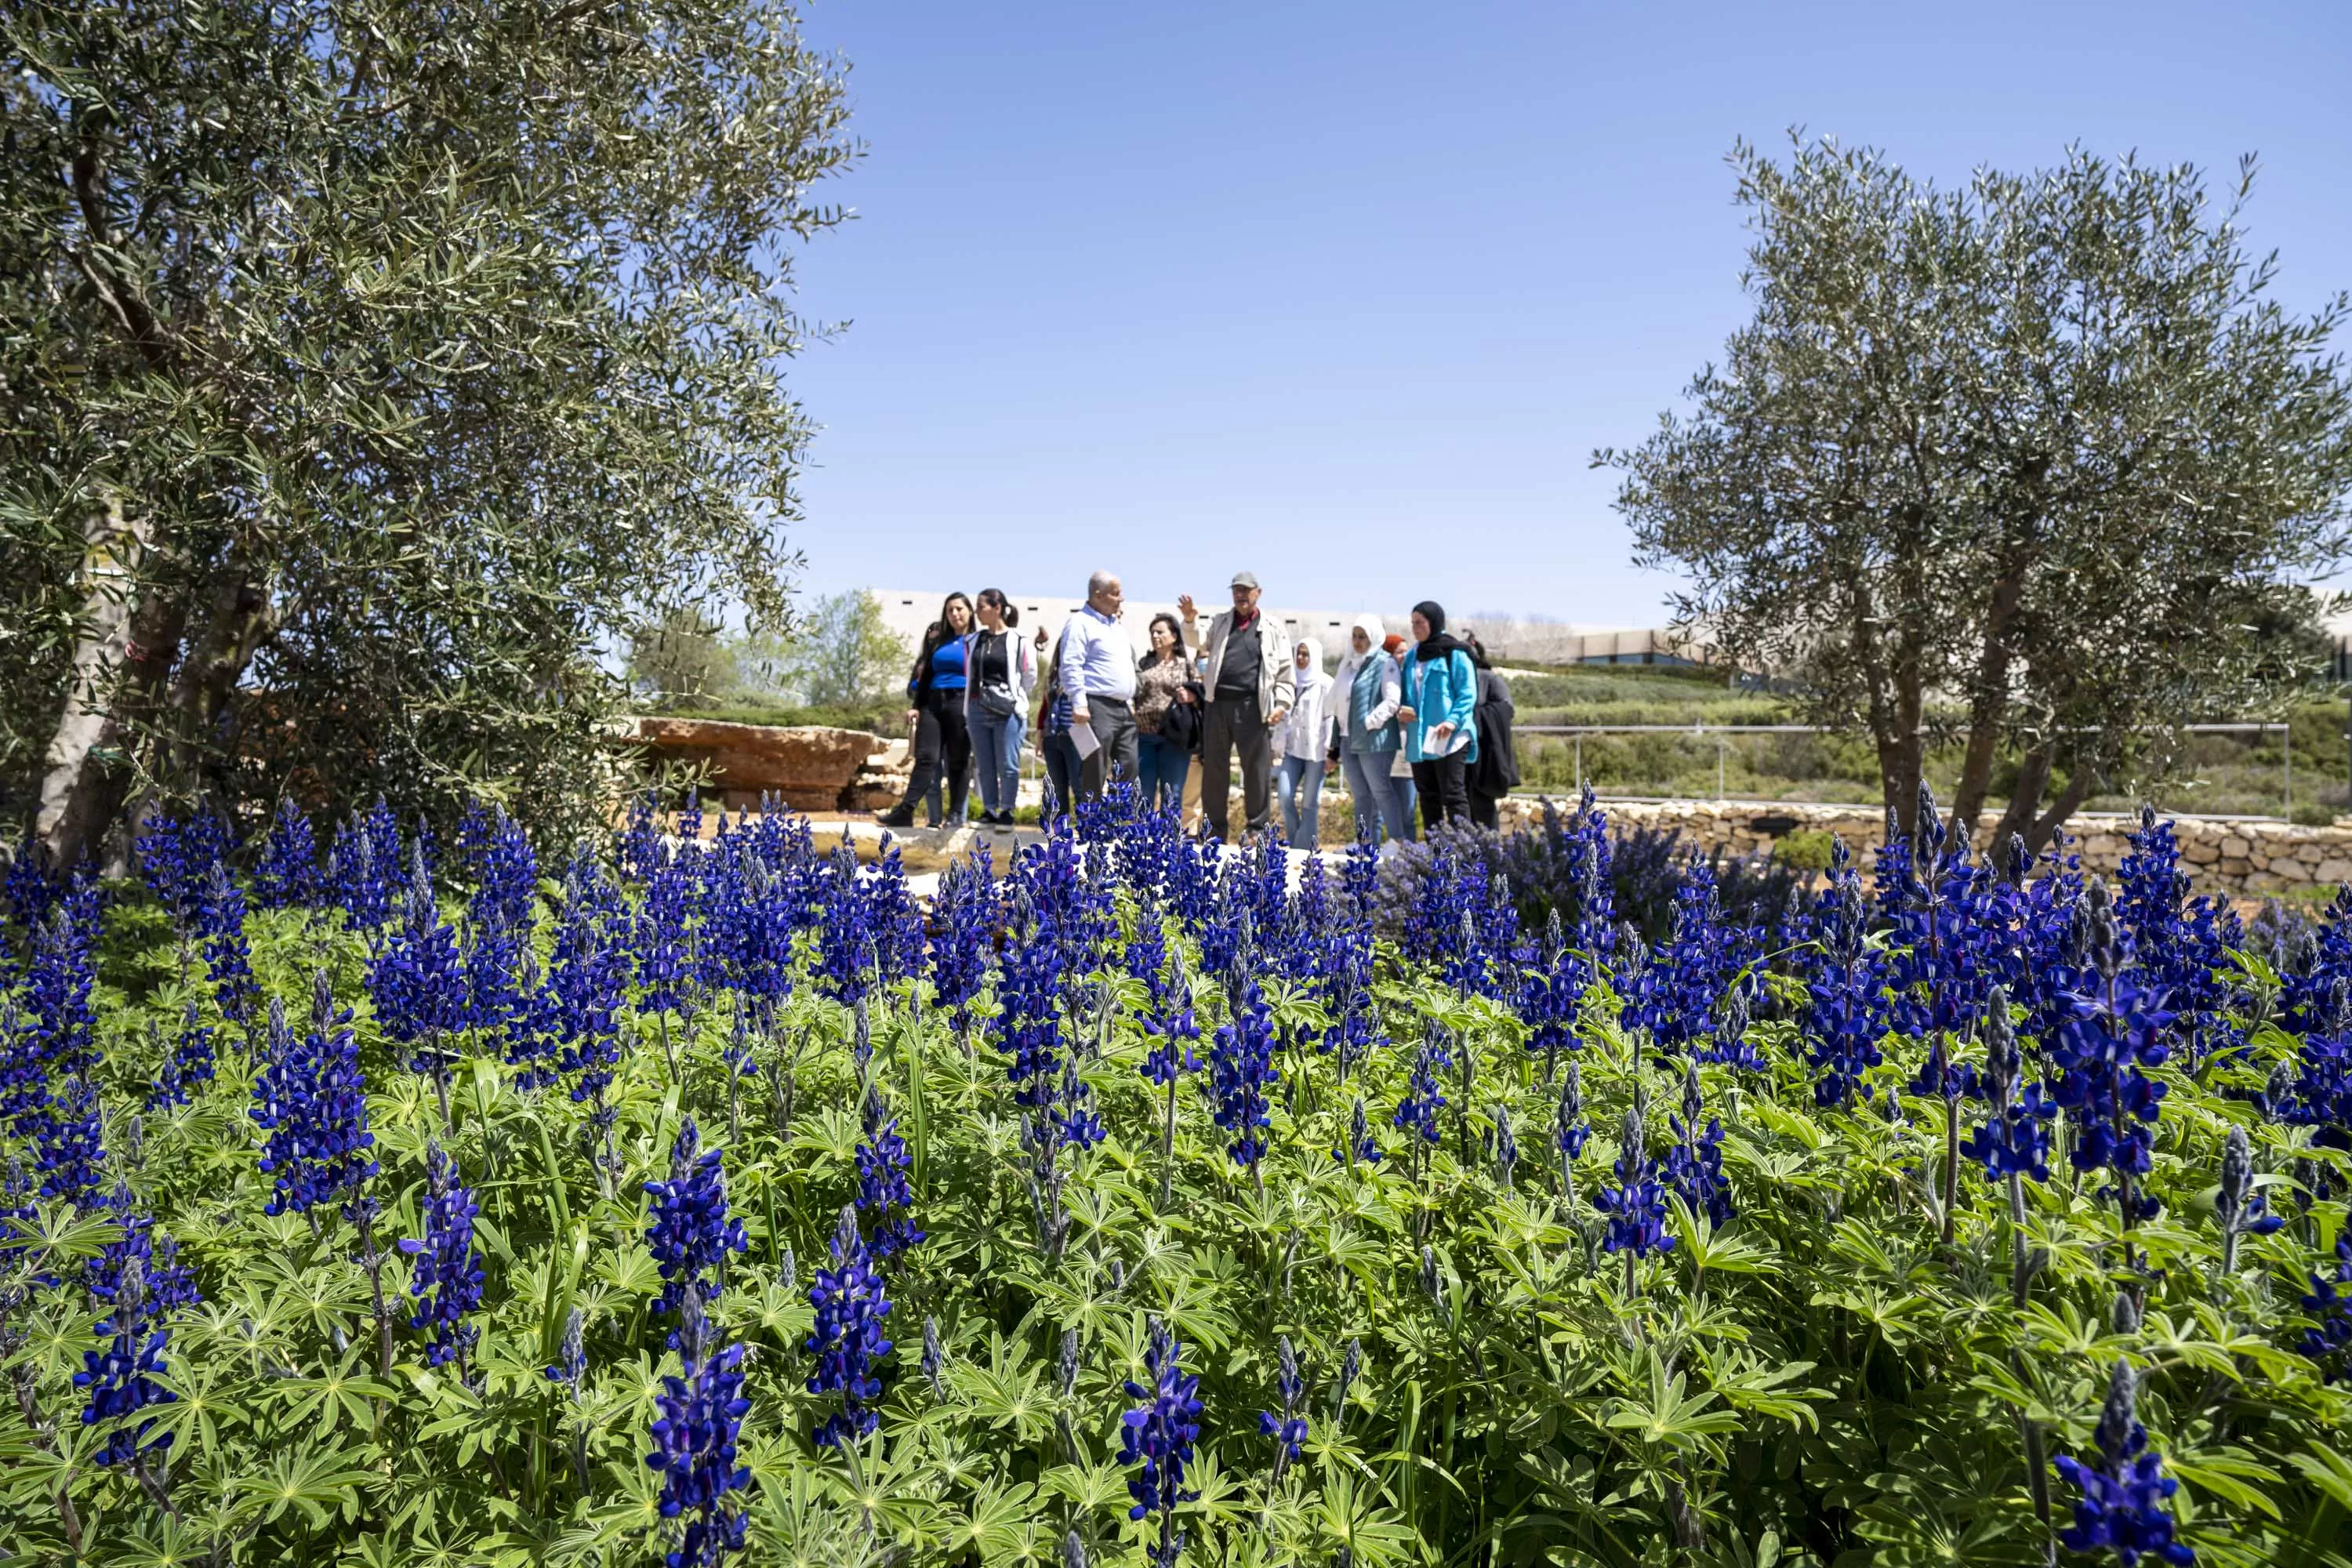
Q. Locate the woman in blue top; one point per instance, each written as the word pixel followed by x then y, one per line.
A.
pixel 935 714
pixel 1440 692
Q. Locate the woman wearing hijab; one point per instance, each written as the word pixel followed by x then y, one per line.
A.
pixel 935 711
pixel 1303 743
pixel 1496 772
pixel 1365 693
pixel 1441 733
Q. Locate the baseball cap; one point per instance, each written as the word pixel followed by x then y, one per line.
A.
pixel 1244 580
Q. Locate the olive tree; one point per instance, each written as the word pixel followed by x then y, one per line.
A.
pixel 370 366
pixel 2037 462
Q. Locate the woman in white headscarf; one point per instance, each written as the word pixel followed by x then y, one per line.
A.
pixel 1365 692
pixel 1301 742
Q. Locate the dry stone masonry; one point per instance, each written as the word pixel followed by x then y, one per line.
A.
pixel 2223 855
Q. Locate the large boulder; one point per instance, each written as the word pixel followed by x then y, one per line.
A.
pixel 810 766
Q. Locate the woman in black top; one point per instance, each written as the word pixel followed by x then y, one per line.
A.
pixel 935 714
pixel 1496 771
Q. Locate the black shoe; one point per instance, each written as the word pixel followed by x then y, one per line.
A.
pixel 897 817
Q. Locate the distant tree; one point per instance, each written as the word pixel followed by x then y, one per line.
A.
pixel 372 364
pixel 682 656
pixel 839 654
pixel 2041 452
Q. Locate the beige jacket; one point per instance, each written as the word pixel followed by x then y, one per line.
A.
pixel 1276 685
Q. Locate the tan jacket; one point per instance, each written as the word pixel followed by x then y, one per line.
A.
pixel 1277 677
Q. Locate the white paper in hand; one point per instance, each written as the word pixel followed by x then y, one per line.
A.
pixel 1082 736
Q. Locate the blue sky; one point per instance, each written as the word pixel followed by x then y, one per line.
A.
pixel 1349 294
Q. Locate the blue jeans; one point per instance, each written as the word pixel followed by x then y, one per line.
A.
pixel 1383 801
pixel 1162 764
pixel 1299 783
pixel 996 757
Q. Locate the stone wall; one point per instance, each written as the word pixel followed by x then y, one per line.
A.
pixel 2226 856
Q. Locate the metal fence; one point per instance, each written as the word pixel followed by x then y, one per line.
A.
pixel 1724 731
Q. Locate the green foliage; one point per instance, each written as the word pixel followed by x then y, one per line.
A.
pixel 2044 443
pixel 839 654
pixel 682 659
pixel 1808 850
pixel 1821 1381
pixel 374 366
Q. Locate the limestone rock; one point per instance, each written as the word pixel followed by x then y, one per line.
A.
pixel 809 766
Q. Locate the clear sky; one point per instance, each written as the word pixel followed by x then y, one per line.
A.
pixel 1348 293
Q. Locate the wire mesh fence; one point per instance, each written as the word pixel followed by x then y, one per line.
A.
pixel 2219 769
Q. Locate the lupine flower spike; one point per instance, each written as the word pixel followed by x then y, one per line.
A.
pixel 2123 1490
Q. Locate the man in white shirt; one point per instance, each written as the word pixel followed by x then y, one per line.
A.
pixel 1097 675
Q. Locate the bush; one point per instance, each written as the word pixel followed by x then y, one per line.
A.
pixel 902 1236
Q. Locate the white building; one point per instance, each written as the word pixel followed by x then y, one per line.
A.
pixel 909 611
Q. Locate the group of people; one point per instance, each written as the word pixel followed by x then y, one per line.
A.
pixel 1402 719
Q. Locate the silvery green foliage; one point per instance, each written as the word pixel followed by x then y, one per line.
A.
pixel 406 358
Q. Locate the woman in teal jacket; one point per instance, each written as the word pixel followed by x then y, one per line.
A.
pixel 1441 738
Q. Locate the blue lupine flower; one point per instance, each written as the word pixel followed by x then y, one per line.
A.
pixel 2122 1506
pixel 1289 1429
pixel 847 947
pixel 189 1064
pixel 168 1282
pixel 689 1233
pixel 586 979
pixel 2178 942
pixel 1636 1206
pixel 963 918
pixel 571 1354
pixel 311 1101
pixel 693 1432
pixel 367 866
pixel 175 858
pixel 1167 1017
pixel 448 1269
pixel 1359 1144
pixel 851 1302
pixel 58 1037
pixel 1423 1098
pixel 417 979
pixel 2329 1341
pixel 640 849
pixel 2014 1140
pixel 1159 1434
pixel 2115 1027
pixel 220 924
pixel 287 875
pixel 884 1192
pixel 118 1378
pixel 1695 1170
pixel 1241 1073
pixel 67 1145
pixel 1569 1128
pixel 495 939
pixel 1551 996
pixel 1507 1147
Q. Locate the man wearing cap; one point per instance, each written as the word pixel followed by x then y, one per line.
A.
pixel 1250 684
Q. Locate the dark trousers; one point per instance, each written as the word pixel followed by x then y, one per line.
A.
pixel 1113 722
pixel 1233 723
pixel 1483 808
pixel 942 750
pixel 1445 786
pixel 1061 776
